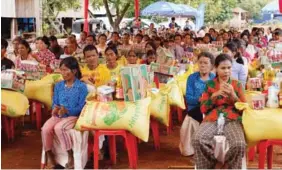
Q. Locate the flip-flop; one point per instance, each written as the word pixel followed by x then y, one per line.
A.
pixel 69 166
pixel 49 167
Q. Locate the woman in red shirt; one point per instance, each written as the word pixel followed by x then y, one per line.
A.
pixel 44 55
pixel 220 96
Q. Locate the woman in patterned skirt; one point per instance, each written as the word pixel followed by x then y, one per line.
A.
pixel 220 96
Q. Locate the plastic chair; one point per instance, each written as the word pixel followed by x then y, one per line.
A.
pixel 9 127
pixel 37 111
pixel 155 131
pixel 131 145
pixel 266 149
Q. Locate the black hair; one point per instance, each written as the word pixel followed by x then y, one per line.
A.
pixel 158 39
pixel 240 43
pixel 131 51
pixel 220 58
pixel 17 39
pixel 208 35
pixel 90 48
pixel 278 32
pixel 140 35
pixel 115 33
pixel 198 39
pixel 151 53
pixel 207 55
pixel 212 29
pixel 255 29
pixel 4 43
pixel 45 40
pixel 113 48
pixel 26 44
pixel 53 38
pixel 73 35
pixel 147 36
pixel 103 35
pixel 234 49
pixel 173 18
pixel 126 34
pixel 223 30
pixel 186 29
pixel 152 44
pixel 93 36
pixel 177 35
pixel 72 64
pixel 84 32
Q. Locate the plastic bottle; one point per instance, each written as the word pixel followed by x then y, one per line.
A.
pixel 273 97
pixel 280 96
pixel 220 124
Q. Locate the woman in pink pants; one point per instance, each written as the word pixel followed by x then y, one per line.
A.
pixel 68 101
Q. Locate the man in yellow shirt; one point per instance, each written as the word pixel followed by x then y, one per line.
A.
pixel 92 72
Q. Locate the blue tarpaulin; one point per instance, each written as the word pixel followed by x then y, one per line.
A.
pixel 272 7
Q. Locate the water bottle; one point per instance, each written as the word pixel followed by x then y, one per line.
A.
pixel 220 124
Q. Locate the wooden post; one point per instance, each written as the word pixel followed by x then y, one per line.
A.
pixel 38 17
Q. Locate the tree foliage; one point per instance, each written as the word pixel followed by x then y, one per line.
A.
pixel 253 7
pixel 216 10
pixel 121 7
pixel 51 9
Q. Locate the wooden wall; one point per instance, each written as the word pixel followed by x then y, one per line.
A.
pixel 26 8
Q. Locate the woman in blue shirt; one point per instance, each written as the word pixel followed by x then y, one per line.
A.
pixel 196 84
pixel 238 70
pixel 68 101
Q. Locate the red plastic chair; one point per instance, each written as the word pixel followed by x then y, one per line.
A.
pixel 38 113
pixel 155 131
pixel 131 145
pixel 9 127
pixel 266 149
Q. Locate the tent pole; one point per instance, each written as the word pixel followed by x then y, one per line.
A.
pixel 136 4
pixel 280 6
pixel 86 26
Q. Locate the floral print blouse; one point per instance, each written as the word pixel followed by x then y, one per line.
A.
pixel 212 108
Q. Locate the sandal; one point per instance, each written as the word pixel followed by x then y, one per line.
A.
pixel 69 166
pixel 49 167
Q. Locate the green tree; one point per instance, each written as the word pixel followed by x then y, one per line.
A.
pixel 51 9
pixel 253 7
pixel 121 7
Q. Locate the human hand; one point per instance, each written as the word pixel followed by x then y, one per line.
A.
pixel 219 93
pixel 62 111
pixel 88 80
pixel 55 111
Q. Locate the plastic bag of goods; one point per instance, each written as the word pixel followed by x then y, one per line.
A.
pixel 260 124
pixel 160 108
pixel 175 97
pixel 13 80
pixel 131 116
pixel 13 104
pixel 42 90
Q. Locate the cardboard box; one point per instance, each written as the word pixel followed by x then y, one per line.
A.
pixel 256 100
pixel 12 79
pixel 255 83
pixel 170 70
pixel 105 93
pixel 278 46
pixel 134 82
pixel 155 67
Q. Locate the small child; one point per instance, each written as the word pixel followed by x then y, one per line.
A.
pixel 150 57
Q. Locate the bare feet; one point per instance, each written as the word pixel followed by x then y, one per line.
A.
pixel 51 162
pixel 70 164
